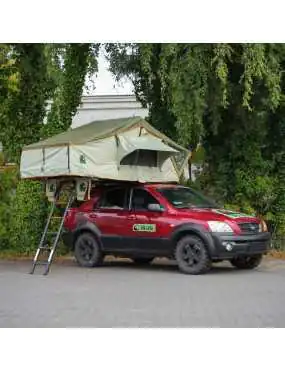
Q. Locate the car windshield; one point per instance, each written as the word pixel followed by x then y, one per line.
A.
pixel 184 198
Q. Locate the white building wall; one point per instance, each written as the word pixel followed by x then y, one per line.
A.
pixel 94 108
pixel 104 107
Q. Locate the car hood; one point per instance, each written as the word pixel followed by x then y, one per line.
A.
pixel 215 214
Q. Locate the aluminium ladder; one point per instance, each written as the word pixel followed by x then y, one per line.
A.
pixel 49 249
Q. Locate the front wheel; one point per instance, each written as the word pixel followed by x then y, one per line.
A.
pixel 192 255
pixel 247 262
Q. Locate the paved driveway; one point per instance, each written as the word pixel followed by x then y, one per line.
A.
pixel 122 295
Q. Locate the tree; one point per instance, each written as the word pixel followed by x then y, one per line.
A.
pixel 22 118
pixel 221 95
pixel 43 72
pixel 79 61
pixel 8 72
pixel 24 110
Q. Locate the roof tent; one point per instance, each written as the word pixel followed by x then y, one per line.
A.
pixel 126 149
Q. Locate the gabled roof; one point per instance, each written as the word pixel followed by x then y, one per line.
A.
pixel 97 130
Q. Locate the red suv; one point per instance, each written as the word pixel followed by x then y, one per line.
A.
pixel 142 222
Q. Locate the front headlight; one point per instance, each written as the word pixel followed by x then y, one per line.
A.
pixel 220 227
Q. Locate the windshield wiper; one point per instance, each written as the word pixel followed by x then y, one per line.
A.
pixel 195 206
pixel 189 206
pixel 204 206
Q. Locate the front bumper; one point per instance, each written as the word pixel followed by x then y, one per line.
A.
pixel 228 246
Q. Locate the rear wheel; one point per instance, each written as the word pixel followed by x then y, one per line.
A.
pixel 87 250
pixel 142 261
pixel 192 255
pixel 247 262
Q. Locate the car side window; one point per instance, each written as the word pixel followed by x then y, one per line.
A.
pixel 114 199
pixel 141 199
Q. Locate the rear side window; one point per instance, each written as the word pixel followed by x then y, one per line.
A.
pixel 114 199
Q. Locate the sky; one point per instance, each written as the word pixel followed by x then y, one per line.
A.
pixel 105 82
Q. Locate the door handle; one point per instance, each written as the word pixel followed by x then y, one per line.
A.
pixel 131 217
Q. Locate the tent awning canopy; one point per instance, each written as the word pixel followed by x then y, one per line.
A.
pixel 127 145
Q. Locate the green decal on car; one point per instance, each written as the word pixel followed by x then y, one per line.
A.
pixel 231 214
pixel 144 227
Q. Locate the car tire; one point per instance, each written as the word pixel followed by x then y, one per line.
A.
pixel 87 250
pixel 247 262
pixel 192 255
pixel 142 261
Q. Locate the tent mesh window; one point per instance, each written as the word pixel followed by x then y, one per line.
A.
pixel 141 157
pixel 179 158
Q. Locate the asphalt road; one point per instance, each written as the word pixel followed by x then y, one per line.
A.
pixel 122 295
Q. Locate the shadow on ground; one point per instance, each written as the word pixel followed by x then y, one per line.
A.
pixel 159 265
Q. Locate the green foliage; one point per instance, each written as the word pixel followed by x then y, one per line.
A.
pixel 141 63
pixel 29 216
pixel 30 74
pixel 8 73
pixel 227 97
pixel 25 107
pixel 20 124
pixel 78 61
pixel 7 188
pixel 2 158
pixel 198 155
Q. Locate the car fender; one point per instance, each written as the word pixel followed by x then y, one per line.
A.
pixel 87 226
pixel 197 229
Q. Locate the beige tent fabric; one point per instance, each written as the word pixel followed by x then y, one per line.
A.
pixel 130 144
pixel 99 130
pixel 96 150
pixel 87 133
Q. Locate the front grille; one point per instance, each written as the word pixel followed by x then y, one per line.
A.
pixel 249 227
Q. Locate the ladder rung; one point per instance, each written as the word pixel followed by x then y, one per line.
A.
pixel 46 244
pixel 46 248
pixel 39 262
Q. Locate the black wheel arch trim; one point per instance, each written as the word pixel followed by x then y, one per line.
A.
pixel 87 227
pixel 195 229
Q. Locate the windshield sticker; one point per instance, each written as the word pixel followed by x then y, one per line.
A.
pixel 144 227
pixel 231 214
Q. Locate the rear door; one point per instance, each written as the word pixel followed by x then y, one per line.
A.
pixel 111 215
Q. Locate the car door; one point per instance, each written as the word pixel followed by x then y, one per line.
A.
pixel 149 226
pixel 111 217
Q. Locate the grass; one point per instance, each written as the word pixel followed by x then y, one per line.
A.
pixel 60 254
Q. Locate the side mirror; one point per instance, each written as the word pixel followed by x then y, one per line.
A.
pixel 155 207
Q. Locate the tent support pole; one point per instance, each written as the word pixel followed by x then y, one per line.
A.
pixel 68 158
pixel 44 159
